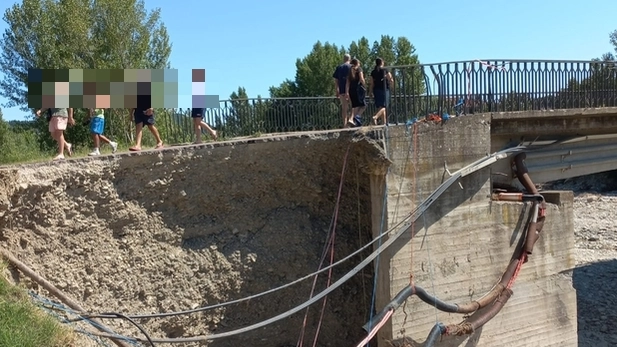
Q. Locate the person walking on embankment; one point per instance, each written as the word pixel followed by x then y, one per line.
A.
pixel 143 115
pixel 97 126
pixel 198 115
pixel 59 119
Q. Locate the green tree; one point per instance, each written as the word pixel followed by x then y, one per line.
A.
pixel 17 142
pixel 242 116
pixel 79 34
pixel 314 72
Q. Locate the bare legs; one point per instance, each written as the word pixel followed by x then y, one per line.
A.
pixel 344 108
pixel 380 114
pixel 356 111
pixel 198 124
pixel 96 138
pixel 138 135
pixel 58 135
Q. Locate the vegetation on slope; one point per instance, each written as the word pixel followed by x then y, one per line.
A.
pixel 24 325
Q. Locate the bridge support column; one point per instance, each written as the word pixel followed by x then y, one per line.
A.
pixel 379 218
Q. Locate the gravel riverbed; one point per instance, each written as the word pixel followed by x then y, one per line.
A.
pixel 595 275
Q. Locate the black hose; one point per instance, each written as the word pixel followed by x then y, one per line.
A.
pixel 143 331
pixel 404 295
pixel 438 330
pixel 440 305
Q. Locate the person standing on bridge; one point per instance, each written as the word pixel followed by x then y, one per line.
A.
pixel 340 81
pixel 356 90
pixel 380 88
pixel 198 115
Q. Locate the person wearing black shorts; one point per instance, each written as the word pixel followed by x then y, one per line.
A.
pixel 198 115
pixel 356 90
pixel 143 115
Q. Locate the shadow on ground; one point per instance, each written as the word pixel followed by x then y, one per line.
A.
pixel 596 300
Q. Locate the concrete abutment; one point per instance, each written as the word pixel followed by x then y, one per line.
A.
pixel 464 242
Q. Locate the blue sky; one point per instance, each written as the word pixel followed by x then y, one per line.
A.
pixel 255 44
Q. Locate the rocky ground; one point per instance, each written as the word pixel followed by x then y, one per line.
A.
pixel 595 224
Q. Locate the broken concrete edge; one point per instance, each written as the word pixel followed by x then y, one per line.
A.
pixel 371 135
pixel 577 112
pixel 558 197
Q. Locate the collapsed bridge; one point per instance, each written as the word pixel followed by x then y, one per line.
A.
pixel 193 227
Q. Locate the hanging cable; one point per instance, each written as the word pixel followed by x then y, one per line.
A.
pixel 419 211
pixel 143 331
pixel 329 243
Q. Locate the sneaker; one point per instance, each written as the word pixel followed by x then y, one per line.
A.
pixel 94 153
pixel 114 146
pixel 58 157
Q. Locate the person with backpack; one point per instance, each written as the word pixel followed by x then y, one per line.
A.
pixel 59 119
pixel 97 126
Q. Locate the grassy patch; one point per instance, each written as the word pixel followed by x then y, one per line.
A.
pixel 24 325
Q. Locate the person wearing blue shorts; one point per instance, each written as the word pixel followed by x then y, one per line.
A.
pixel 198 115
pixel 381 79
pixel 97 127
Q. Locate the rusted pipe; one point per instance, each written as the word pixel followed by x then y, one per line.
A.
pixel 532 230
pixel 516 197
pixel 56 292
pixel 523 174
pixel 468 307
pixel 477 320
pixel 539 208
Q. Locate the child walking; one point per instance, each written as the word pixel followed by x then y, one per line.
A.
pixel 198 115
pixel 97 125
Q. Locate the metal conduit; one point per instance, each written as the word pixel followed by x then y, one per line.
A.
pixel 499 295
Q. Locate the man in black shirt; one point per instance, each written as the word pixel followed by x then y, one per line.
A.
pixel 340 81
pixel 143 115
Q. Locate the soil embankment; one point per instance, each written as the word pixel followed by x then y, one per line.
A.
pixel 193 226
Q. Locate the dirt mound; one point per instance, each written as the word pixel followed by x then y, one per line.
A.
pixel 184 228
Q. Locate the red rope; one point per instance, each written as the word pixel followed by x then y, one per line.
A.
pixel 330 246
pixel 521 260
pixel 376 329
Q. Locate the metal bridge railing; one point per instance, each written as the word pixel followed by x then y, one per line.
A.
pixel 464 87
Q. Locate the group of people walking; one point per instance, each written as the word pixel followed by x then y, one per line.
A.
pixel 60 118
pixel 350 85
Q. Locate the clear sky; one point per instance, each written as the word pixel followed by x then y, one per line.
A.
pixel 255 44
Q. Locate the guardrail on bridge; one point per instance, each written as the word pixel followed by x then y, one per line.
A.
pixel 464 87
